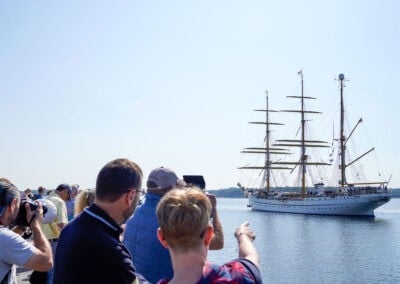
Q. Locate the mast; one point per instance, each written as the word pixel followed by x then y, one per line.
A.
pixel 267 150
pixel 303 143
pixel 342 165
pixel 267 154
pixel 343 140
pixel 303 147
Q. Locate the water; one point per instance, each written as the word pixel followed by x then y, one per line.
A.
pixel 317 249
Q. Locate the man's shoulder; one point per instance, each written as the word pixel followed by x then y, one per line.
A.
pixel 14 248
pixel 5 231
pixel 81 236
pixel 145 214
pixel 78 225
pixel 9 235
pixel 86 227
pixel 148 208
pixel 5 235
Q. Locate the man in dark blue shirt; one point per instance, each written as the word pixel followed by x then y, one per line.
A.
pixel 89 249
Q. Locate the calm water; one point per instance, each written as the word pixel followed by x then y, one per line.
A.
pixel 313 249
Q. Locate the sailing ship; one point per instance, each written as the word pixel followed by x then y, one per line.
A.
pixel 345 198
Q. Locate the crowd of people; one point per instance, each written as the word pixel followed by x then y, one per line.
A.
pixel 103 236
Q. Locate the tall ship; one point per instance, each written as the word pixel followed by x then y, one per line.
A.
pixel 344 198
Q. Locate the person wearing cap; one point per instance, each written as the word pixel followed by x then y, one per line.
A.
pixel 53 229
pixel 14 250
pixel 150 258
pixel 186 229
pixel 89 248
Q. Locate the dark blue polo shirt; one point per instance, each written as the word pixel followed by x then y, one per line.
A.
pixel 89 251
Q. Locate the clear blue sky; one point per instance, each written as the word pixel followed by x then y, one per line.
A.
pixel 174 83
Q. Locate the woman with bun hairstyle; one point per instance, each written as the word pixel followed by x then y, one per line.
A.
pixel 83 200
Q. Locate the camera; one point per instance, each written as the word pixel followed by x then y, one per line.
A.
pixel 21 218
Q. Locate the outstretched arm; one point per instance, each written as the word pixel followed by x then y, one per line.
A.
pixel 245 237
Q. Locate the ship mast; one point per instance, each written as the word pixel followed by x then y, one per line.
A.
pixel 267 150
pixel 343 140
pixel 303 143
pixel 303 147
pixel 342 165
pixel 267 147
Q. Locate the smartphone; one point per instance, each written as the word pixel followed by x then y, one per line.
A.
pixel 195 180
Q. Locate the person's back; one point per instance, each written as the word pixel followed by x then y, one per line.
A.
pixel 150 258
pixel 93 255
pixel 90 250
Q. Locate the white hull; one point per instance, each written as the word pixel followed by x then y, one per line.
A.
pixel 353 205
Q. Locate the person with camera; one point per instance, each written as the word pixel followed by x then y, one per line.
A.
pixel 150 258
pixel 14 250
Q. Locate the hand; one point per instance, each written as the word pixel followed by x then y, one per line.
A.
pixel 34 217
pixel 212 199
pixel 244 229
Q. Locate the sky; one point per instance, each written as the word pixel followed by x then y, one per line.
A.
pixel 174 83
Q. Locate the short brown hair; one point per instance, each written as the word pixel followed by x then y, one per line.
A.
pixel 183 216
pixel 116 178
pixel 41 189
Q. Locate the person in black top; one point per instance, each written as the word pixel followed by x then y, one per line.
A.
pixel 89 249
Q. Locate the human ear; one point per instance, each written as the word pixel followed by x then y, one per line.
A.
pixel 208 235
pixel 161 238
pixel 130 197
pixel 14 204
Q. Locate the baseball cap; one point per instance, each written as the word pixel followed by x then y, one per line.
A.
pixel 65 186
pixel 163 178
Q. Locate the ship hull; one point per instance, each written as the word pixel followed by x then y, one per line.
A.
pixel 354 205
